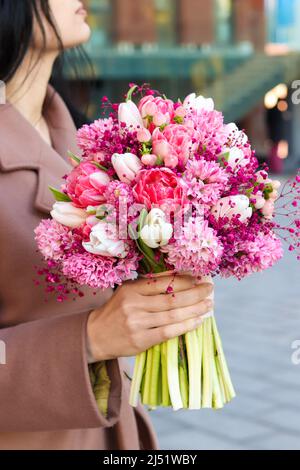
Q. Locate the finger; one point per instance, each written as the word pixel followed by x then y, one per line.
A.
pixel 177 315
pixel 164 333
pixel 161 285
pixel 164 302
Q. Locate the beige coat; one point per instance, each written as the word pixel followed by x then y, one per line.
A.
pixel 46 398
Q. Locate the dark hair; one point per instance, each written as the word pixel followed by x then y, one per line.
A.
pixel 16 33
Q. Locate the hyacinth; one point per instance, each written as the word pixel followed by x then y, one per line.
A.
pixel 53 239
pixel 196 249
pixel 105 137
pixel 205 181
pixel 100 272
pixel 248 257
pixel 210 129
pixel 90 134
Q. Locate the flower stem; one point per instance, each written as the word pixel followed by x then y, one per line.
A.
pixel 164 373
pixel 137 378
pixel 192 346
pixel 146 391
pixel 200 350
pixel 155 371
pixel 207 364
pixel 229 390
pixel 183 373
pixel 173 374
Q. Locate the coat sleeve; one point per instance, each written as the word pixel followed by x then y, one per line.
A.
pixel 45 383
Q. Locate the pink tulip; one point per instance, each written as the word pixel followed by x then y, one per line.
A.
pixel 150 106
pixel 149 109
pixel 86 184
pixel 159 119
pixel 143 135
pixel 149 159
pixel 268 209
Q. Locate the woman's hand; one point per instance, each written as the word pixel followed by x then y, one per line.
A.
pixel 140 314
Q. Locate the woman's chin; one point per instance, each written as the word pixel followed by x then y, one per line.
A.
pixel 82 36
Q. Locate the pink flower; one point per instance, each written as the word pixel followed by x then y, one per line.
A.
pixel 53 239
pixel 174 144
pixel 205 181
pixel 156 107
pixel 197 249
pixel 89 135
pixel 149 159
pixel 100 272
pixel 209 128
pixel 252 256
pixel 86 184
pixel 158 186
pixel 268 209
pixel 143 135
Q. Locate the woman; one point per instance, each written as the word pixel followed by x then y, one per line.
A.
pixel 46 395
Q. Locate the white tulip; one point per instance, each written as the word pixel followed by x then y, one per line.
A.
pixel 126 165
pixel 230 206
pixel 129 113
pixel 67 214
pixel 103 242
pixel 198 103
pixel 156 232
pixel 233 132
pixel 236 157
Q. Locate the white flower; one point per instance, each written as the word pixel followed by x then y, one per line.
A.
pixel 198 103
pixel 231 206
pixel 126 165
pixel 103 241
pixel 129 113
pixel 236 157
pixel 233 132
pixel 67 214
pixel 156 231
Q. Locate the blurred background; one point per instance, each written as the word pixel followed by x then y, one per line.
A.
pixel 246 55
pixel 243 53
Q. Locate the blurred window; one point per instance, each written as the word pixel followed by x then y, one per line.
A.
pixel 100 19
pixel 165 18
pixel 224 21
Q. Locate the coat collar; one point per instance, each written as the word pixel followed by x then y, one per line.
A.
pixel 23 148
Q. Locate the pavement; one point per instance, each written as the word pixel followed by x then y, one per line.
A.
pixel 258 319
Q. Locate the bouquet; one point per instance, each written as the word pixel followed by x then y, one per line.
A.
pixel 165 186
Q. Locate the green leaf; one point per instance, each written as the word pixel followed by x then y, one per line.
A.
pixel 74 157
pixel 99 166
pixel 142 219
pixel 59 196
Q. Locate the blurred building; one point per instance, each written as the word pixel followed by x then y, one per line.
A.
pixel 232 50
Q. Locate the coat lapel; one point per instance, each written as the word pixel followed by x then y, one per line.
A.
pixel 22 147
